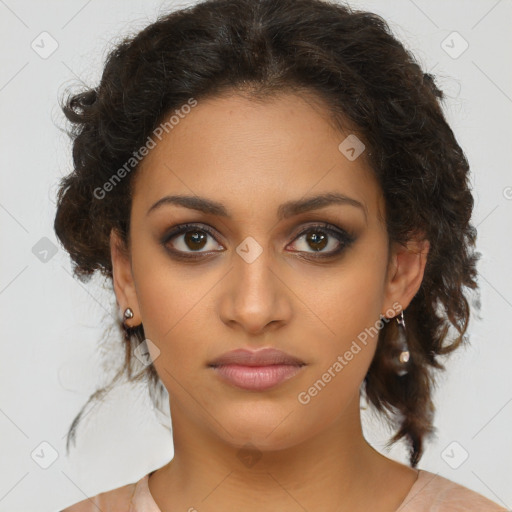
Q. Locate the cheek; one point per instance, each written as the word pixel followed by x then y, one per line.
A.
pixel 348 304
pixel 172 302
pixel 349 300
pixel 350 307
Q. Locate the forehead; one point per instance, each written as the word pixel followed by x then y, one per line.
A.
pixel 244 152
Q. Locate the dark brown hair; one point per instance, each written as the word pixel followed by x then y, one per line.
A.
pixel 350 60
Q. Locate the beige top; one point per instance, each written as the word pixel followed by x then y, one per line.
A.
pixel 430 492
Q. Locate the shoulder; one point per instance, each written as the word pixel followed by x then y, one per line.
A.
pixel 434 492
pixel 116 500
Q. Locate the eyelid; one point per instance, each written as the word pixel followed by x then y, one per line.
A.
pixel 326 226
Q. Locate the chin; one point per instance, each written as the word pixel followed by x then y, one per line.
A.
pixel 252 442
pixel 271 432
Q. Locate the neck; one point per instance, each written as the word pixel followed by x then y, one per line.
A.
pixel 335 468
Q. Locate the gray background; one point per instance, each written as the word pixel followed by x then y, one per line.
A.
pixel 51 323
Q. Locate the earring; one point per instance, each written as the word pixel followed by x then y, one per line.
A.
pixel 401 360
pixel 128 313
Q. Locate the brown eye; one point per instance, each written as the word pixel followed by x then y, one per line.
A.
pixel 317 241
pixel 190 239
pixel 195 239
pixel 323 239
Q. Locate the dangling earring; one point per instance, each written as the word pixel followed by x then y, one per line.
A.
pixel 402 357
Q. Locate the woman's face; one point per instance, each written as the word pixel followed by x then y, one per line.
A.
pixel 254 271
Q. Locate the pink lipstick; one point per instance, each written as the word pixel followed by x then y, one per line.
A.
pixel 256 370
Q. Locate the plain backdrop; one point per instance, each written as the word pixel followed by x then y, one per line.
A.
pixel 51 324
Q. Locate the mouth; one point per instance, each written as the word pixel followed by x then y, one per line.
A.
pixel 256 378
pixel 256 371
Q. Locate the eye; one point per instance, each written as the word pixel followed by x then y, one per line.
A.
pixel 322 236
pixel 189 237
pixel 185 240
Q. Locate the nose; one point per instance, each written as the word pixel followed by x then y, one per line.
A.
pixel 256 297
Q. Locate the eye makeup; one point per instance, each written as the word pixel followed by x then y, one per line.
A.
pixel 322 234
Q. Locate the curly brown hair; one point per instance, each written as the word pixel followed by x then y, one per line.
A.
pixel 352 61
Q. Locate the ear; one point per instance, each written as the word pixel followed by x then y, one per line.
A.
pixel 405 272
pixel 122 277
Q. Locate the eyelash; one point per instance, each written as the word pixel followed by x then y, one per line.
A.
pixel 345 240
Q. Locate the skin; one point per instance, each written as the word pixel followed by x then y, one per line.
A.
pixel 253 156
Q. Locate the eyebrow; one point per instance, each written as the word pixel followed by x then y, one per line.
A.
pixel 285 210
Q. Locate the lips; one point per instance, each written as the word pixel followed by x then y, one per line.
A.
pixel 256 371
pixel 262 357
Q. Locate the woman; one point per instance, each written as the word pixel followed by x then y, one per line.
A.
pixel 283 212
